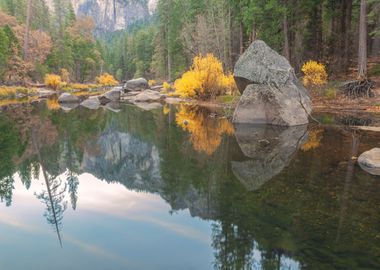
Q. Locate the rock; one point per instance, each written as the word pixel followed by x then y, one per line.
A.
pixel 146 106
pixel 112 95
pixel 113 106
pixel 269 149
pixel 68 106
pixel 21 95
pixel 370 161
pixel 68 98
pixel 271 93
pixel 263 104
pixel 118 88
pixel 139 84
pixel 157 88
pixel 129 94
pixel 44 93
pixel 91 103
pixel 148 96
pixel 173 100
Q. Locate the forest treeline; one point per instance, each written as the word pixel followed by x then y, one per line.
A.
pixel 35 40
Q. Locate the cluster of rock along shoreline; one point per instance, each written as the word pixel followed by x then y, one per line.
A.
pixel 135 91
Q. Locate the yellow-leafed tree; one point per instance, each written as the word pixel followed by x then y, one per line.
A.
pixel 205 79
pixel 315 74
pixel 106 80
pixel 53 81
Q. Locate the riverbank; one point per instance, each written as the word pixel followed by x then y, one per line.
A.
pixel 328 99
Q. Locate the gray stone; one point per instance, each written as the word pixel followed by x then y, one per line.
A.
pixel 148 106
pixel 113 106
pixel 44 93
pixel 148 96
pixel 173 100
pixel 271 93
pixel 112 95
pixel 139 84
pixel 92 103
pixel 68 106
pixel 263 104
pixel 261 65
pixel 157 88
pixel 269 149
pixel 370 161
pixel 68 98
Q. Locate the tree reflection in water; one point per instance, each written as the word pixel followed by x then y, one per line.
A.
pixel 272 206
pixel 206 132
pixel 54 195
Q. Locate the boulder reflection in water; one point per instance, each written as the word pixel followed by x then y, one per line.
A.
pixel 270 149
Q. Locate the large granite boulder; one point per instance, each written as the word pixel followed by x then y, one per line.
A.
pixel 370 161
pixel 269 150
pixel 139 84
pixel 271 93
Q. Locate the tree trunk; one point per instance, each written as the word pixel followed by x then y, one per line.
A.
pixel 241 38
pixel 347 39
pixel 376 39
pixel 169 56
pixel 362 55
pixel 286 49
pixel 27 29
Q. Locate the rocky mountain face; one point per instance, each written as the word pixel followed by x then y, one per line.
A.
pixel 112 15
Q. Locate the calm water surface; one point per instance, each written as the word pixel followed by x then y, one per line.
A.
pixel 181 188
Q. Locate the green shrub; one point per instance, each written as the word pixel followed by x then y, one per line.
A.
pixel 330 93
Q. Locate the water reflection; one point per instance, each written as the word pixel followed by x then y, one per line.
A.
pixel 269 149
pixel 271 198
pixel 206 132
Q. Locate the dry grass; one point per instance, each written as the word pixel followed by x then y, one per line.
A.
pixel 9 92
pixel 13 101
pixel 79 87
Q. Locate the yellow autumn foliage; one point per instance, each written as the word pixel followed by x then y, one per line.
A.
pixel 52 104
pixel 53 81
pixel 151 83
pixel 206 133
pixel 166 86
pixel 315 74
pixel 205 79
pixel 314 140
pixel 166 110
pixel 106 80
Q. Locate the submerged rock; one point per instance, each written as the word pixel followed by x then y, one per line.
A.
pixel 148 96
pixel 113 106
pixel 148 106
pixel 68 106
pixel 370 161
pixel 271 93
pixel 269 149
pixel 92 103
pixel 139 84
pixel 68 98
